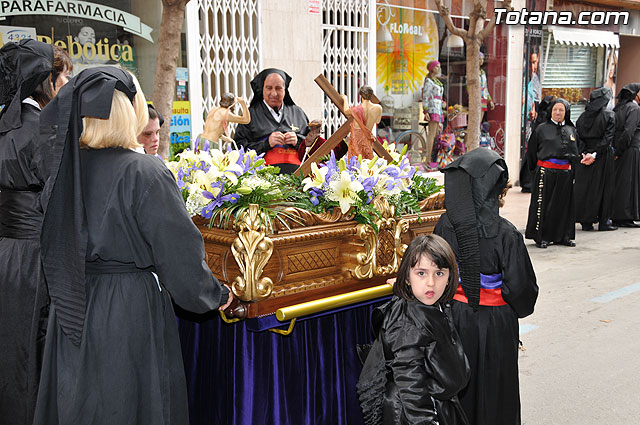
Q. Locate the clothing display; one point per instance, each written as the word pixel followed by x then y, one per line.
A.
pixel 492 251
pixel 484 92
pixel 594 184
pixel 24 302
pixel 552 150
pixel 432 92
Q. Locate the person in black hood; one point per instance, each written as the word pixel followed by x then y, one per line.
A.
pixel 112 351
pixel 278 125
pixel 594 180
pixel 28 71
pixel 542 114
pixel 497 285
pixel 626 201
pixel 553 147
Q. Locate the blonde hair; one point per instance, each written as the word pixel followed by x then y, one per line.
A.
pixel 126 120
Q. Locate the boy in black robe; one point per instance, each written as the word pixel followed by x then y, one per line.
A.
pixel 593 188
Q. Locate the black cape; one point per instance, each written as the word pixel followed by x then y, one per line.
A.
pixel 426 367
pixel 552 208
pixel 594 184
pixel 542 110
pixel 490 335
pixel 23 293
pixel 626 204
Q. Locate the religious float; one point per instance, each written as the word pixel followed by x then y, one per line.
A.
pixel 290 246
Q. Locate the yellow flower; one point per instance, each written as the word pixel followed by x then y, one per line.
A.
pixel 202 182
pixel 316 178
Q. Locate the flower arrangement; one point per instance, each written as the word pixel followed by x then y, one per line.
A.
pixel 220 185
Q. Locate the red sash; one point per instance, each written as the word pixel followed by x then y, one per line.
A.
pixel 281 155
pixel 549 164
pixel 490 297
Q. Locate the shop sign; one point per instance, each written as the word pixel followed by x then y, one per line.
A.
pixel 180 129
pixel 76 9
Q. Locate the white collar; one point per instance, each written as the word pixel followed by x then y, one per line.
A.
pixel 276 115
pixel 32 103
pixel 562 123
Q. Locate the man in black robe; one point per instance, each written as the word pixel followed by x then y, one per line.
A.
pixel 278 125
pixel 593 188
pixel 626 203
pixel 542 115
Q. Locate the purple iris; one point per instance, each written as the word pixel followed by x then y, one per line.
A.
pixel 315 194
pixel 369 183
pixel 217 201
pixel 332 165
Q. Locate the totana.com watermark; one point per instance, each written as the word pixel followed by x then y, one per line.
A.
pixel 551 17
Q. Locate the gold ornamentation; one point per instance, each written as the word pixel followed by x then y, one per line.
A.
pixel 283 331
pixel 383 250
pixel 252 250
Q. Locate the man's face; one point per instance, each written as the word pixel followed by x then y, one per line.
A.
pixel 273 90
pixel 534 63
pixel 86 35
pixel 149 137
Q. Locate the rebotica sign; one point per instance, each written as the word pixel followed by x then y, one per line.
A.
pixel 77 9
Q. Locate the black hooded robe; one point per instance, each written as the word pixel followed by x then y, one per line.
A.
pixel 489 333
pixel 112 352
pixel 626 203
pixel 594 184
pixel 255 135
pixel 24 301
pixel 525 172
pixel 552 207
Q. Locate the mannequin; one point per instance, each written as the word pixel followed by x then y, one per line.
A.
pixel 432 102
pixel 486 101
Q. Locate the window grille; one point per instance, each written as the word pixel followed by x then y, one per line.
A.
pixel 345 37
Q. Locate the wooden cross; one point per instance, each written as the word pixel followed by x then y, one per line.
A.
pixel 341 132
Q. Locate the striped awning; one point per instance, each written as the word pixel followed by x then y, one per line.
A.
pixel 582 37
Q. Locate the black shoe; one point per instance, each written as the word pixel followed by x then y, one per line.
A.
pixel 568 242
pixel 542 244
pixel 626 223
pixel 606 226
pixel 587 227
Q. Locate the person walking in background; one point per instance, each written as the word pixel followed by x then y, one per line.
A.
pixel 553 146
pixel 497 287
pixel 594 184
pixel 31 73
pixel 112 353
pixel 626 199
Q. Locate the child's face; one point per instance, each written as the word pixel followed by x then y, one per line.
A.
pixel 427 281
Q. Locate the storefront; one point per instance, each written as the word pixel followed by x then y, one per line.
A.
pixel 112 32
pixel 409 35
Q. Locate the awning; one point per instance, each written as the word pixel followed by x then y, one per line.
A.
pixel 581 37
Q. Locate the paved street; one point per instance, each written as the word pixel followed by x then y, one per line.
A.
pixel 582 360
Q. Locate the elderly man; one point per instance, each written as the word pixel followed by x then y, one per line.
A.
pixel 277 124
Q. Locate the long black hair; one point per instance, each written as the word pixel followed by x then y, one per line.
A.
pixel 440 252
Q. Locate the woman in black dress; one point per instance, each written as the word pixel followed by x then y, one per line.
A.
pixel 552 149
pixel 28 72
pixel 113 216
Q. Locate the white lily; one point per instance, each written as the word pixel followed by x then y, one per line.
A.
pixel 224 165
pixel 316 178
pixel 344 190
pixel 202 182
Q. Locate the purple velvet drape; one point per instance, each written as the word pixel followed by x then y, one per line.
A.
pixel 239 377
